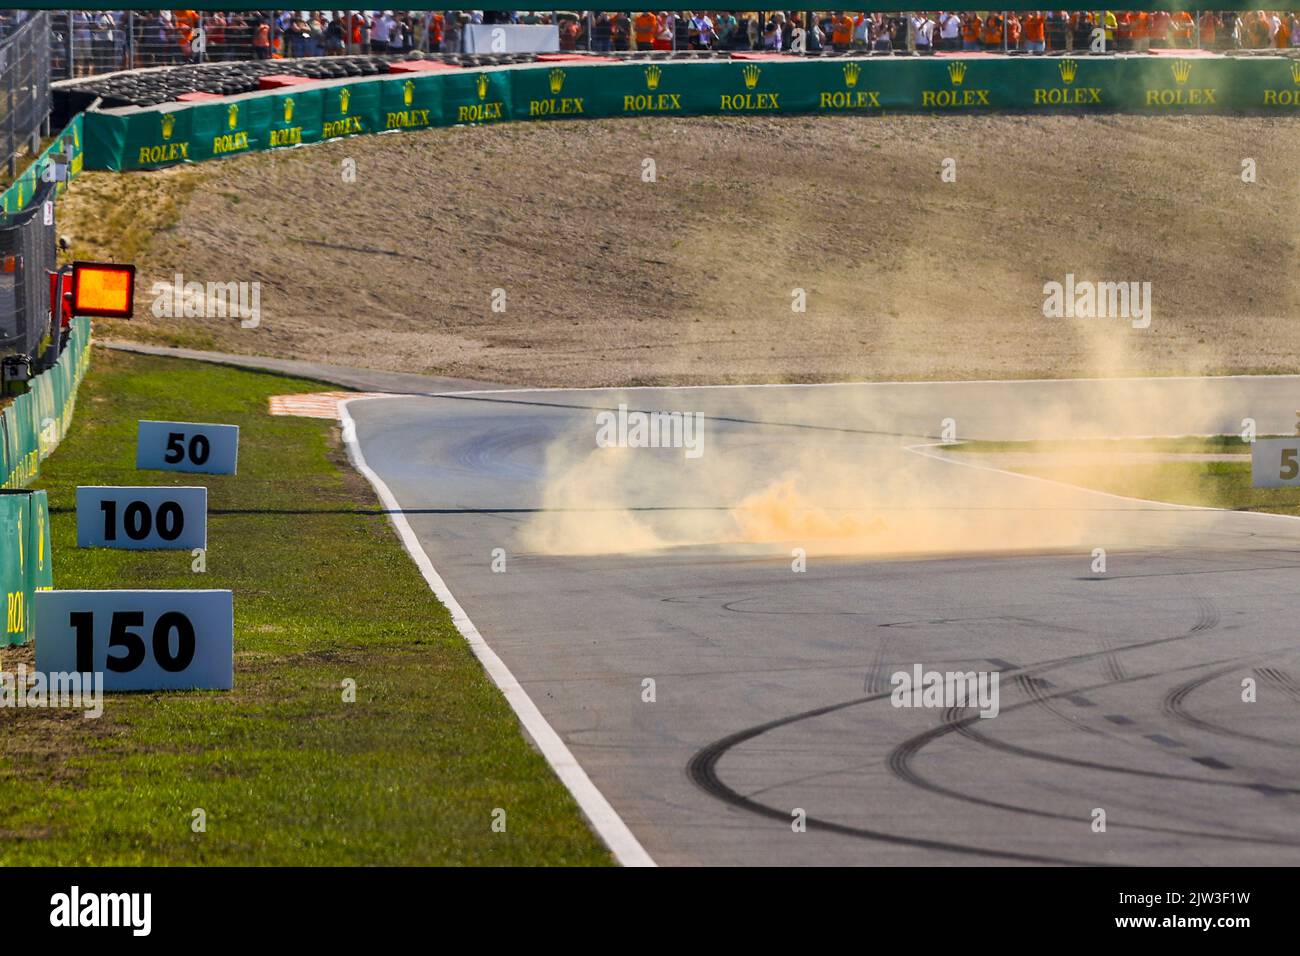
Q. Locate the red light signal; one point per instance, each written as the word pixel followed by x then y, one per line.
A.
pixel 103 288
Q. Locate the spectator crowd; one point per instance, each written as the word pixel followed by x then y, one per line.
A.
pixel 90 41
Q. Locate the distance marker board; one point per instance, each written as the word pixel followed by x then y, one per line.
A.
pixel 1275 463
pixel 139 640
pixel 139 518
pixel 187 446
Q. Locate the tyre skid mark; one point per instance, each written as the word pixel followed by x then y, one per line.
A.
pixel 702 767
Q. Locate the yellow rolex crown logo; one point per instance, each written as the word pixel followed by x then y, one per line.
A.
pixel 408 92
pixel 482 85
pixel 168 121
pixel 344 96
pixel 288 109
pixel 750 73
pixel 1182 71
pixel 1068 70
pixel 851 71
pixel 232 115
pixel 1295 71
pixel 557 80
pixel 652 75
pixel 956 72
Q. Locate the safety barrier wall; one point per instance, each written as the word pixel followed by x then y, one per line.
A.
pixel 31 427
pixel 175 133
pixel 26 568
pixel 36 421
pixel 22 189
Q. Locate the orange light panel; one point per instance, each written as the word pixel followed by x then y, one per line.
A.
pixel 103 288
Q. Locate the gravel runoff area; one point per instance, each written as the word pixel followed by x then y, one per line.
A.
pixel 606 279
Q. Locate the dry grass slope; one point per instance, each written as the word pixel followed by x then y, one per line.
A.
pixel 611 280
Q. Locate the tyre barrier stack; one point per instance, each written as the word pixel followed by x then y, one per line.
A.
pixel 153 86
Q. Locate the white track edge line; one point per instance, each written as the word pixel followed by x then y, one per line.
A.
pixel 609 826
pixel 910 383
pixel 1171 505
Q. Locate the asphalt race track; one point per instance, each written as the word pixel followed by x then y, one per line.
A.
pixel 1119 690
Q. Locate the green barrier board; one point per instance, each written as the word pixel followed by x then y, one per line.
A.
pixel 23 188
pixel 35 422
pixel 13 545
pixel 31 427
pixel 161 136
pixel 25 565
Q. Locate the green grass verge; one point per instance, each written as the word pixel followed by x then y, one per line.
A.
pixel 286 772
pixel 1215 484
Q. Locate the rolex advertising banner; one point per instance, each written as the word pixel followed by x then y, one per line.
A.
pixel 139 139
pixel 295 118
pixel 30 429
pixel 34 423
pixel 65 150
pixel 479 96
pixel 223 129
pixel 13 574
pixel 351 109
pixel 25 565
pixel 413 103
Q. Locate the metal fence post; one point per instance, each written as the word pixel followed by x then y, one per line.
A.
pixel 130 39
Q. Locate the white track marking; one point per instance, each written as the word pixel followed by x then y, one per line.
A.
pixel 606 821
pixel 976 381
pixel 948 459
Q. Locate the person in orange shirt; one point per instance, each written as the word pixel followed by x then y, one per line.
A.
pixel 1124 33
pixel 436 22
pixel 1181 28
pixel 644 27
pixel 1013 32
pixel 1034 31
pixel 1161 24
pixel 842 33
pixel 970 31
pixel 262 40
pixel 187 21
pixel 992 33
pixel 1142 31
